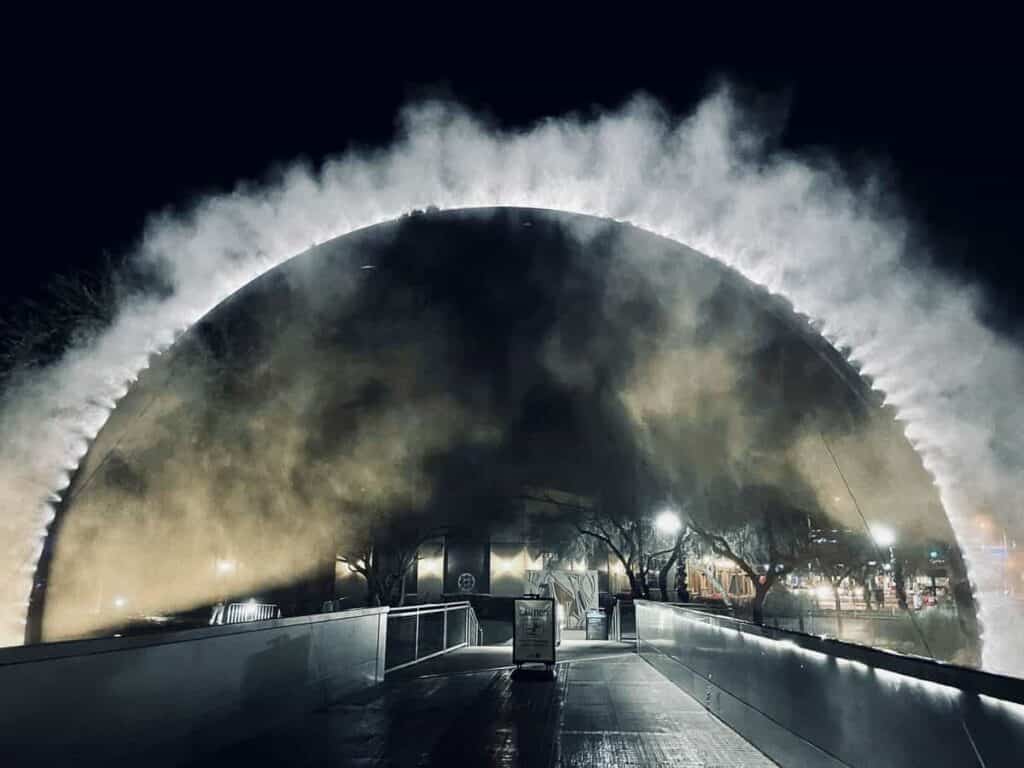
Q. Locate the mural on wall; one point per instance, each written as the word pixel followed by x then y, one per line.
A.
pixel 574 591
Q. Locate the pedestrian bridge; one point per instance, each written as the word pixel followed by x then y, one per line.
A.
pixel 693 689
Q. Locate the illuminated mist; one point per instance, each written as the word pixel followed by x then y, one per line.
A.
pixel 706 180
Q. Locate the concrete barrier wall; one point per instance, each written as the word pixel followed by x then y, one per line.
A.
pixel 807 701
pixel 163 699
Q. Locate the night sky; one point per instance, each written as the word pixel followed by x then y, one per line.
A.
pixel 116 118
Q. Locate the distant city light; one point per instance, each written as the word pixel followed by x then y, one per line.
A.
pixel 883 535
pixel 668 522
pixel 120 602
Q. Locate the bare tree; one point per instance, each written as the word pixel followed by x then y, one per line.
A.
pixel 37 329
pixel 771 542
pixel 677 556
pixel 385 558
pixel 631 537
pixel 635 542
pixel 627 537
pixel 840 555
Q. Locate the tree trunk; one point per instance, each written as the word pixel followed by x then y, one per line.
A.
pixel 663 584
pixel 401 590
pixel 900 582
pixel 682 590
pixel 839 610
pixel 645 588
pixel 634 588
pixel 760 593
pixel 663 576
pixel 372 592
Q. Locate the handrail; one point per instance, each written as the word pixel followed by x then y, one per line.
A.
pixel 615 623
pixel 429 608
pixel 452 635
pixel 238 613
pixel 808 700
pixel 920 667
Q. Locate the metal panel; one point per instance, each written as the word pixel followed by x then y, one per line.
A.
pixel 804 700
pixel 157 699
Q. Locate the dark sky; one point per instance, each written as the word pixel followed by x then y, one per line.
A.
pixel 115 118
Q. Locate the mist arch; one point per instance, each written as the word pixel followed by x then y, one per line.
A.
pixel 98 460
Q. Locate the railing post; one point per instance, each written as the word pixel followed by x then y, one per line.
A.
pixel 416 642
pixel 444 632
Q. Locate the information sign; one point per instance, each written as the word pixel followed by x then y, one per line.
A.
pixel 533 631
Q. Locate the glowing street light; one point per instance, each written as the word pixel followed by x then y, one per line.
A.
pixel 668 522
pixel 883 535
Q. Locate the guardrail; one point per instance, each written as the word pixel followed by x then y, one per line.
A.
pixel 238 613
pixel 170 698
pixel 809 701
pixel 615 623
pixel 721 609
pixel 420 632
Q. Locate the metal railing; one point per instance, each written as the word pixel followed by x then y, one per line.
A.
pixel 719 609
pixel 615 623
pixel 420 632
pixel 236 613
pixel 808 700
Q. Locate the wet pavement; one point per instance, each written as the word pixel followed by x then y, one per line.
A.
pixel 492 657
pixel 606 707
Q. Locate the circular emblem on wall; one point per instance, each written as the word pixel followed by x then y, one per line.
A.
pixel 467 582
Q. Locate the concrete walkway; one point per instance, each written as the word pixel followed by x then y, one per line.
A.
pixel 603 709
pixel 493 657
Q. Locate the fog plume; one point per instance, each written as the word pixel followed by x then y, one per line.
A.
pixel 708 179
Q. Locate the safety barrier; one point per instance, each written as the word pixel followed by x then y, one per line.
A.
pixel 162 699
pixel 809 701
pixel 419 632
pixel 615 623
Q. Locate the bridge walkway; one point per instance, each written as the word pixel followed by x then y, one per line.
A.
pixel 605 707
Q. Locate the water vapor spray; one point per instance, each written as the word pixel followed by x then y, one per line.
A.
pixel 707 180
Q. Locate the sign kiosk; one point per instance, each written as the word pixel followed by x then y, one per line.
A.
pixel 533 632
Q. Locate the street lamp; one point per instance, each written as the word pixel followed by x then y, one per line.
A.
pixel 668 522
pixel 883 535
